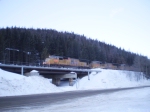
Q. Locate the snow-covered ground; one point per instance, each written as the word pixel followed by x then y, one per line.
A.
pixel 137 100
pixel 113 79
pixel 109 79
pixel 15 84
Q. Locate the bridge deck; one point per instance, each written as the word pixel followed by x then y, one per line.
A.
pixel 45 71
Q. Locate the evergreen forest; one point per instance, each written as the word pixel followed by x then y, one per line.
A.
pixel 28 45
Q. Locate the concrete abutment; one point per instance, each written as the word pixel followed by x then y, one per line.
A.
pixel 57 78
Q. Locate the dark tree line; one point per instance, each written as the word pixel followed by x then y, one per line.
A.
pixel 34 45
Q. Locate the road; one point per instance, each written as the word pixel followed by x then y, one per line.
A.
pixel 13 102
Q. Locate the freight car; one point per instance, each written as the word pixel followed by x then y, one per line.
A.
pixel 94 64
pixel 60 61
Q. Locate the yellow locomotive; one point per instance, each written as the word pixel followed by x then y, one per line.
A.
pixel 60 61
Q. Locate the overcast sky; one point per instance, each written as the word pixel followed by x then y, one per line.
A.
pixel 123 23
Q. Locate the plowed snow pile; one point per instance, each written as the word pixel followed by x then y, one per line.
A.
pixel 112 79
pixel 15 84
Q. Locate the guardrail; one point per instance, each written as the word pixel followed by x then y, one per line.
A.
pixel 20 63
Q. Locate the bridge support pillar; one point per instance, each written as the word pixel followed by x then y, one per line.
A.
pixel 70 82
pixel 70 76
pixel 56 81
pixel 53 81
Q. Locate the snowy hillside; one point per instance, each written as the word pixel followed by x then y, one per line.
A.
pixel 15 84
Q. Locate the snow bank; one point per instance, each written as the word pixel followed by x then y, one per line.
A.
pixel 112 79
pixel 15 84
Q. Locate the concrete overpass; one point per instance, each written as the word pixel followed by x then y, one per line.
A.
pixel 49 72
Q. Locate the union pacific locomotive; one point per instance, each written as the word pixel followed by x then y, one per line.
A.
pixel 60 61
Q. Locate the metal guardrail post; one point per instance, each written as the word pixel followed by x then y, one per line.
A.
pixel 88 75
pixel 22 70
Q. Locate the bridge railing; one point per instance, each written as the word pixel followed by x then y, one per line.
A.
pixel 20 63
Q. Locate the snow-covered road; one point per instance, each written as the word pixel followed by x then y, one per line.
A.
pixel 136 100
pixel 124 101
